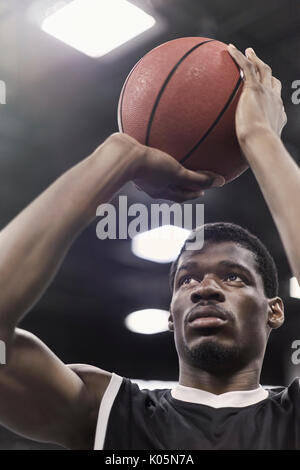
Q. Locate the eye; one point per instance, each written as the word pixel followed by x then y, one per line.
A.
pixel 185 280
pixel 233 277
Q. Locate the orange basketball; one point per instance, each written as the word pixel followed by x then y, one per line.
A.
pixel 181 98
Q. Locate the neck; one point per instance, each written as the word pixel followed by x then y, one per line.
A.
pixel 243 379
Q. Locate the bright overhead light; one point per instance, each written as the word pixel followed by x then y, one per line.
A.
pixel 161 244
pixel 96 27
pixel 148 321
pixel 294 288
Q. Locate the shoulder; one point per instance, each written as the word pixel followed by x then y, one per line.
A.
pixel 95 379
pixel 96 382
pixel 142 395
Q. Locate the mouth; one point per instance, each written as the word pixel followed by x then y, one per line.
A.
pixel 207 317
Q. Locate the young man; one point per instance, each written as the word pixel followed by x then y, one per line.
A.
pixel 221 309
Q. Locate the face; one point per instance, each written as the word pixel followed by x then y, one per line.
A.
pixel 219 312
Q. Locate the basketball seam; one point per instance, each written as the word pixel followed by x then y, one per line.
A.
pixel 171 73
pixel 206 134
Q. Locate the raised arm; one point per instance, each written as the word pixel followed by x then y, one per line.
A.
pixel 40 397
pixel 260 119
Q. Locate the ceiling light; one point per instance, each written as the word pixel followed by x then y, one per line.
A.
pixel 161 244
pixel 294 288
pixel 96 27
pixel 148 321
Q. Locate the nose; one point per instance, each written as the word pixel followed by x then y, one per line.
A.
pixel 208 289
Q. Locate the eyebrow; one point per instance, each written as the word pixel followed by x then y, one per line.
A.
pixel 225 263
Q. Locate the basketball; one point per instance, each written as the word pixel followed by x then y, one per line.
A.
pixel 181 98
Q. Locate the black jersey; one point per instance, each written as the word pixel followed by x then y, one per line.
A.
pixel 130 418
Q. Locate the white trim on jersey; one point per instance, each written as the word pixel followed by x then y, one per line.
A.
pixel 105 409
pixel 236 399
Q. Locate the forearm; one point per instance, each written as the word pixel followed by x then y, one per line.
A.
pixel 33 244
pixel 279 179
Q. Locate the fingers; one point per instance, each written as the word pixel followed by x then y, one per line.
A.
pixel 173 193
pixel 246 65
pixel 276 84
pixel 190 184
pixel 251 64
pixel 199 179
pixel 277 87
pixel 167 178
pixel 264 70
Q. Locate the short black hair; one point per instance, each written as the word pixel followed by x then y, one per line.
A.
pixel 219 232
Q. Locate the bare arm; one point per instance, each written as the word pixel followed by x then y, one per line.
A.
pixel 279 178
pixel 45 400
pixel 259 121
pixel 33 245
pixel 41 397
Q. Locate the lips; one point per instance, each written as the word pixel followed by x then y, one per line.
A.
pixel 207 317
pixel 207 311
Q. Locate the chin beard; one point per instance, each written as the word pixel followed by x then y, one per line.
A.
pixel 214 357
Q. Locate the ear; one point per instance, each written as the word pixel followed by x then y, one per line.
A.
pixel 170 322
pixel 275 312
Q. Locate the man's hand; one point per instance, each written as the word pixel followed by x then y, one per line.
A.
pixel 163 177
pixel 260 118
pixel 260 105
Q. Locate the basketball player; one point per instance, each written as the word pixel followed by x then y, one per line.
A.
pixel 224 303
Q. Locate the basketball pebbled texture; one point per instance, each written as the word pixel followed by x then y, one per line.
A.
pixel 181 98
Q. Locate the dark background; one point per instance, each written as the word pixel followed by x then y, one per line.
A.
pixel 61 104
